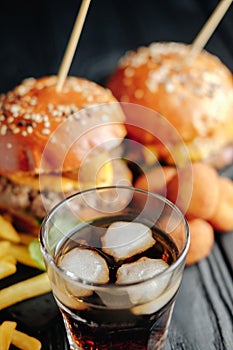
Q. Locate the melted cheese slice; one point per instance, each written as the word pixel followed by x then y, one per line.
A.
pixel 59 183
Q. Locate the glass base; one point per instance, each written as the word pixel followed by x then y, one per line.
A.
pixel 154 340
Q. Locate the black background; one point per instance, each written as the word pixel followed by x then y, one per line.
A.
pixel 34 35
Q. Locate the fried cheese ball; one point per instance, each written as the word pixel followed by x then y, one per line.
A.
pixel 222 219
pixel 195 195
pixel 201 242
pixel 156 179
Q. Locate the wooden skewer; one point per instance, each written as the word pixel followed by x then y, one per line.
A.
pixel 209 27
pixel 71 47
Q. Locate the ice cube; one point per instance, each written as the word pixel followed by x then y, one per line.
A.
pixel 86 265
pixel 124 239
pixel 115 298
pixel 64 298
pixel 142 270
pixel 159 302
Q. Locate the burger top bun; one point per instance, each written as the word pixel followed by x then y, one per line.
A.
pixel 34 116
pixel 195 96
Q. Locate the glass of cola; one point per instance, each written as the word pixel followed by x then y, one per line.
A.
pixel 115 258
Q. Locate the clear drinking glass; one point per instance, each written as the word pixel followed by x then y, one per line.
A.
pixel 115 258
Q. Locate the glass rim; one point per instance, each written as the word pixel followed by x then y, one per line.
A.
pixel 85 282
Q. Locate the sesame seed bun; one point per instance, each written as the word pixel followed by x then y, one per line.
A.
pixel 195 96
pixel 53 144
pixel 34 110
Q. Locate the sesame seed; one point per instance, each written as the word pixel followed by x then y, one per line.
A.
pixel 30 129
pixel 9 145
pixel 33 101
pixel 15 109
pixel 37 117
pixel 40 86
pixel 83 122
pixel 16 130
pixel 60 108
pixel 2 118
pixel 74 108
pixel 77 88
pixel 139 93
pixel 169 87
pixel 90 98
pixel 24 133
pixel 22 90
pixel 53 139
pixel 47 124
pixel 50 106
pixel 10 119
pixel 129 72
pixel 3 130
pixel 29 81
pixel 54 113
pixel 45 131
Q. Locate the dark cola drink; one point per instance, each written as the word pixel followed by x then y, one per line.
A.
pixel 128 317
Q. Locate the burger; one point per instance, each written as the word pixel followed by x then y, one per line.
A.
pixel 53 144
pixel 193 93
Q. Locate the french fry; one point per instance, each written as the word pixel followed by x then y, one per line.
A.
pixel 6 268
pixel 7 231
pixel 26 289
pixel 9 258
pixel 9 335
pixel 22 255
pixel 4 248
pixel 25 342
pixel 6 334
pixel 26 238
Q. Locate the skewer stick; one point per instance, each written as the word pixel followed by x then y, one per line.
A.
pixel 71 47
pixel 209 27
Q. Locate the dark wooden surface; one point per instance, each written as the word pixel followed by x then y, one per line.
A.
pixel 33 38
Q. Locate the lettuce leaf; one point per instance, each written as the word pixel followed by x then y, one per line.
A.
pixel 36 255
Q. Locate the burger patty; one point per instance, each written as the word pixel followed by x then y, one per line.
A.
pixel 35 203
pixel 23 198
